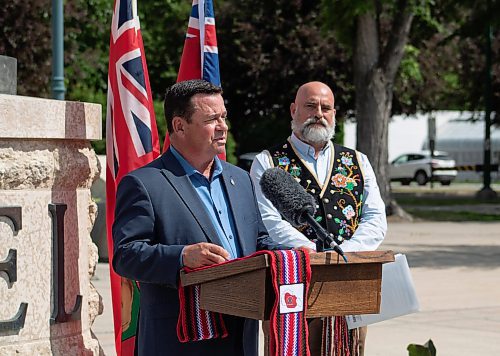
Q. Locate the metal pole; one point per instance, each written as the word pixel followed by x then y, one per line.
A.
pixel 58 88
pixel 487 113
pixel 486 192
pixel 431 133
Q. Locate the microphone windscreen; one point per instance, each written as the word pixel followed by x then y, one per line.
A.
pixel 287 195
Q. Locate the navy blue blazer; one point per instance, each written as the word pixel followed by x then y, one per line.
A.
pixel 158 212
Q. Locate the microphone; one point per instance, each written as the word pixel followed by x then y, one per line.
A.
pixel 294 203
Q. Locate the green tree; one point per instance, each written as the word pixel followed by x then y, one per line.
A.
pixel 471 21
pixel 444 67
pixel 87 36
pixel 25 35
pixel 377 32
pixel 163 26
pixel 87 29
pixel 86 43
pixel 267 49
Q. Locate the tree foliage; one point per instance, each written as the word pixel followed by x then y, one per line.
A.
pixel 411 56
pixel 25 35
pixel 377 32
pixel 267 49
pixel 86 41
pixel 449 59
pixel 163 26
pixel 474 18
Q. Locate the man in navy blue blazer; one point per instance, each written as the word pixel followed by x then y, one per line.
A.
pixel 186 208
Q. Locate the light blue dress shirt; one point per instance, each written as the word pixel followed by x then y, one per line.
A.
pixel 317 166
pixel 215 201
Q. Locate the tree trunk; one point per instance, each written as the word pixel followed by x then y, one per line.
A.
pixel 373 101
pixel 374 74
pixel 373 108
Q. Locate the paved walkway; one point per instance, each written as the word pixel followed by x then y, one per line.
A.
pixel 456 271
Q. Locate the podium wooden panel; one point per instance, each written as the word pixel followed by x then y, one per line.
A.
pixel 243 288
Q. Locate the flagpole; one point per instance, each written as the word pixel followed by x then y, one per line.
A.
pixel 201 16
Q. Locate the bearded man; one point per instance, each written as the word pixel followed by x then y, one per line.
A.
pixel 344 185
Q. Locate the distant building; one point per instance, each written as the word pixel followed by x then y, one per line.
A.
pixel 464 141
pixel 456 134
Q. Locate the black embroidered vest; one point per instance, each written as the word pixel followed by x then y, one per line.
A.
pixel 339 201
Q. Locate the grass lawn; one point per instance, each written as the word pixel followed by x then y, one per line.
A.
pixel 447 215
pixel 445 207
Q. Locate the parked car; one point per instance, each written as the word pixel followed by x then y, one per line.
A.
pixel 417 167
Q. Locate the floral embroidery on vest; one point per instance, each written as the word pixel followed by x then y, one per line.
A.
pixel 338 204
pixel 347 177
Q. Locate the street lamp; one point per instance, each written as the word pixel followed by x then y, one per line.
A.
pixel 58 88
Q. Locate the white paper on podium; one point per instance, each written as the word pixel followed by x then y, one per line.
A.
pixel 398 296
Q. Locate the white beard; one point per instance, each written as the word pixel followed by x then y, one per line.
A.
pixel 313 133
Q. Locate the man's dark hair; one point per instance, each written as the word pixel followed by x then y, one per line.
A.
pixel 178 99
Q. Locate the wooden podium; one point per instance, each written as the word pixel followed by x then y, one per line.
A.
pixel 243 288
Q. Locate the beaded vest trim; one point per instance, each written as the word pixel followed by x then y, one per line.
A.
pixel 339 200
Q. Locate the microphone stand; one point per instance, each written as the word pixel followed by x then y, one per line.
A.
pixel 323 236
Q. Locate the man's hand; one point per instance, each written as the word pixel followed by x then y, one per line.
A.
pixel 203 254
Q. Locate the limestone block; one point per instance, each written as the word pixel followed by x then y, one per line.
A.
pixel 35 118
pixel 36 164
pixel 46 157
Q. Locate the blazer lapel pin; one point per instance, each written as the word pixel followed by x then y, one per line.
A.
pixel 232 181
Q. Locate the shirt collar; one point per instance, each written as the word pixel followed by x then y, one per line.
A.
pixel 306 149
pixel 190 170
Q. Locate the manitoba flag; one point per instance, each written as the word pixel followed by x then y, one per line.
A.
pixel 200 56
pixel 131 142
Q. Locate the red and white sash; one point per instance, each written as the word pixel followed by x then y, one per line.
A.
pixel 291 273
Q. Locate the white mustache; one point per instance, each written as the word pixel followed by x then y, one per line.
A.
pixel 314 120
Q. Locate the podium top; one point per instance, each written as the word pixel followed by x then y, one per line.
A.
pixel 332 258
pixel 245 265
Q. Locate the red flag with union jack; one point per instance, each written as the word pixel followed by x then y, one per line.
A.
pixel 131 142
pixel 200 56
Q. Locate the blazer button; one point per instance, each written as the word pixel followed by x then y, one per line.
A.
pixel 326 200
pixel 329 216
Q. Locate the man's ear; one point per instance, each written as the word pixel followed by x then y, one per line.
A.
pixel 178 124
pixel 293 108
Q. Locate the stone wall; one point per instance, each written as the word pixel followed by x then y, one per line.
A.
pixel 46 160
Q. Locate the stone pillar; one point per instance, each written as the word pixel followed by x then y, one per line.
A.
pixel 47 301
pixel 8 75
